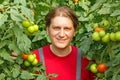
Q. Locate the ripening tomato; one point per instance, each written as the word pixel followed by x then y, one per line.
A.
pixel 98 29
pixel 75 1
pixel 24 56
pixel 102 67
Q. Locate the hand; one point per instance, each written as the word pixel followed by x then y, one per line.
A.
pixel 14 55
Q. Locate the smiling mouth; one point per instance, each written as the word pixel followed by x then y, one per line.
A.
pixel 61 41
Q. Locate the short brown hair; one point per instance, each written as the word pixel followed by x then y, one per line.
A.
pixel 62 11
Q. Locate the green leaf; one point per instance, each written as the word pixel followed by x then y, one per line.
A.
pixel 1 61
pixel 39 36
pixel 16 72
pixel 118 18
pixel 3 43
pixel 26 75
pixel 41 77
pixel 3 18
pixel 23 42
pixel 85 44
pixel 27 12
pixel 2 76
pixel 15 15
pixel 84 6
pixel 97 5
pixel 115 13
pixel 104 10
pixel 5 55
pixel 23 2
pixel 13 46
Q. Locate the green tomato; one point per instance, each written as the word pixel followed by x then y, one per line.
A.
pixel 31 29
pixel 93 68
pixel 102 33
pixel 117 35
pixel 26 63
pixel 95 36
pixel 27 32
pixel 105 24
pixel 112 36
pixel 95 25
pixel 36 27
pixel 31 57
pixel 35 62
pixel 26 23
pixel 106 38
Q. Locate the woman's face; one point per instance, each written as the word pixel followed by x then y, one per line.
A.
pixel 61 31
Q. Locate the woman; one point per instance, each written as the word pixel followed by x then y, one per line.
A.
pixel 60 57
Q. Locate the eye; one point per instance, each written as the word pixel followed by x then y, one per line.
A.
pixel 67 28
pixel 56 28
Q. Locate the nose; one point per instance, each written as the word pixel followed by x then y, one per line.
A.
pixel 62 33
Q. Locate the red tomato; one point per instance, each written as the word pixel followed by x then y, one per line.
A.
pixel 102 67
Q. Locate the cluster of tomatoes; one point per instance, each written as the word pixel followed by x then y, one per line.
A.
pixel 30 27
pixel 98 69
pixel 29 59
pixel 100 33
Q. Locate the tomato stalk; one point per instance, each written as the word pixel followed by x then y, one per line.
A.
pixel 102 55
pixel 111 55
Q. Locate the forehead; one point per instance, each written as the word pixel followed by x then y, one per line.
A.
pixel 61 20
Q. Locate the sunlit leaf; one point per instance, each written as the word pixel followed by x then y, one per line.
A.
pixel 5 55
pixel 15 15
pixel 115 13
pixel 16 72
pixel 3 18
pixel 27 12
pixel 26 75
pixel 2 76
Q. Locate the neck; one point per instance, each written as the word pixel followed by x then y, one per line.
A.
pixel 61 52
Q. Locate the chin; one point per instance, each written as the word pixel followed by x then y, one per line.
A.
pixel 62 46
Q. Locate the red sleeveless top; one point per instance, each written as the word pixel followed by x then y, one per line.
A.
pixel 64 67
